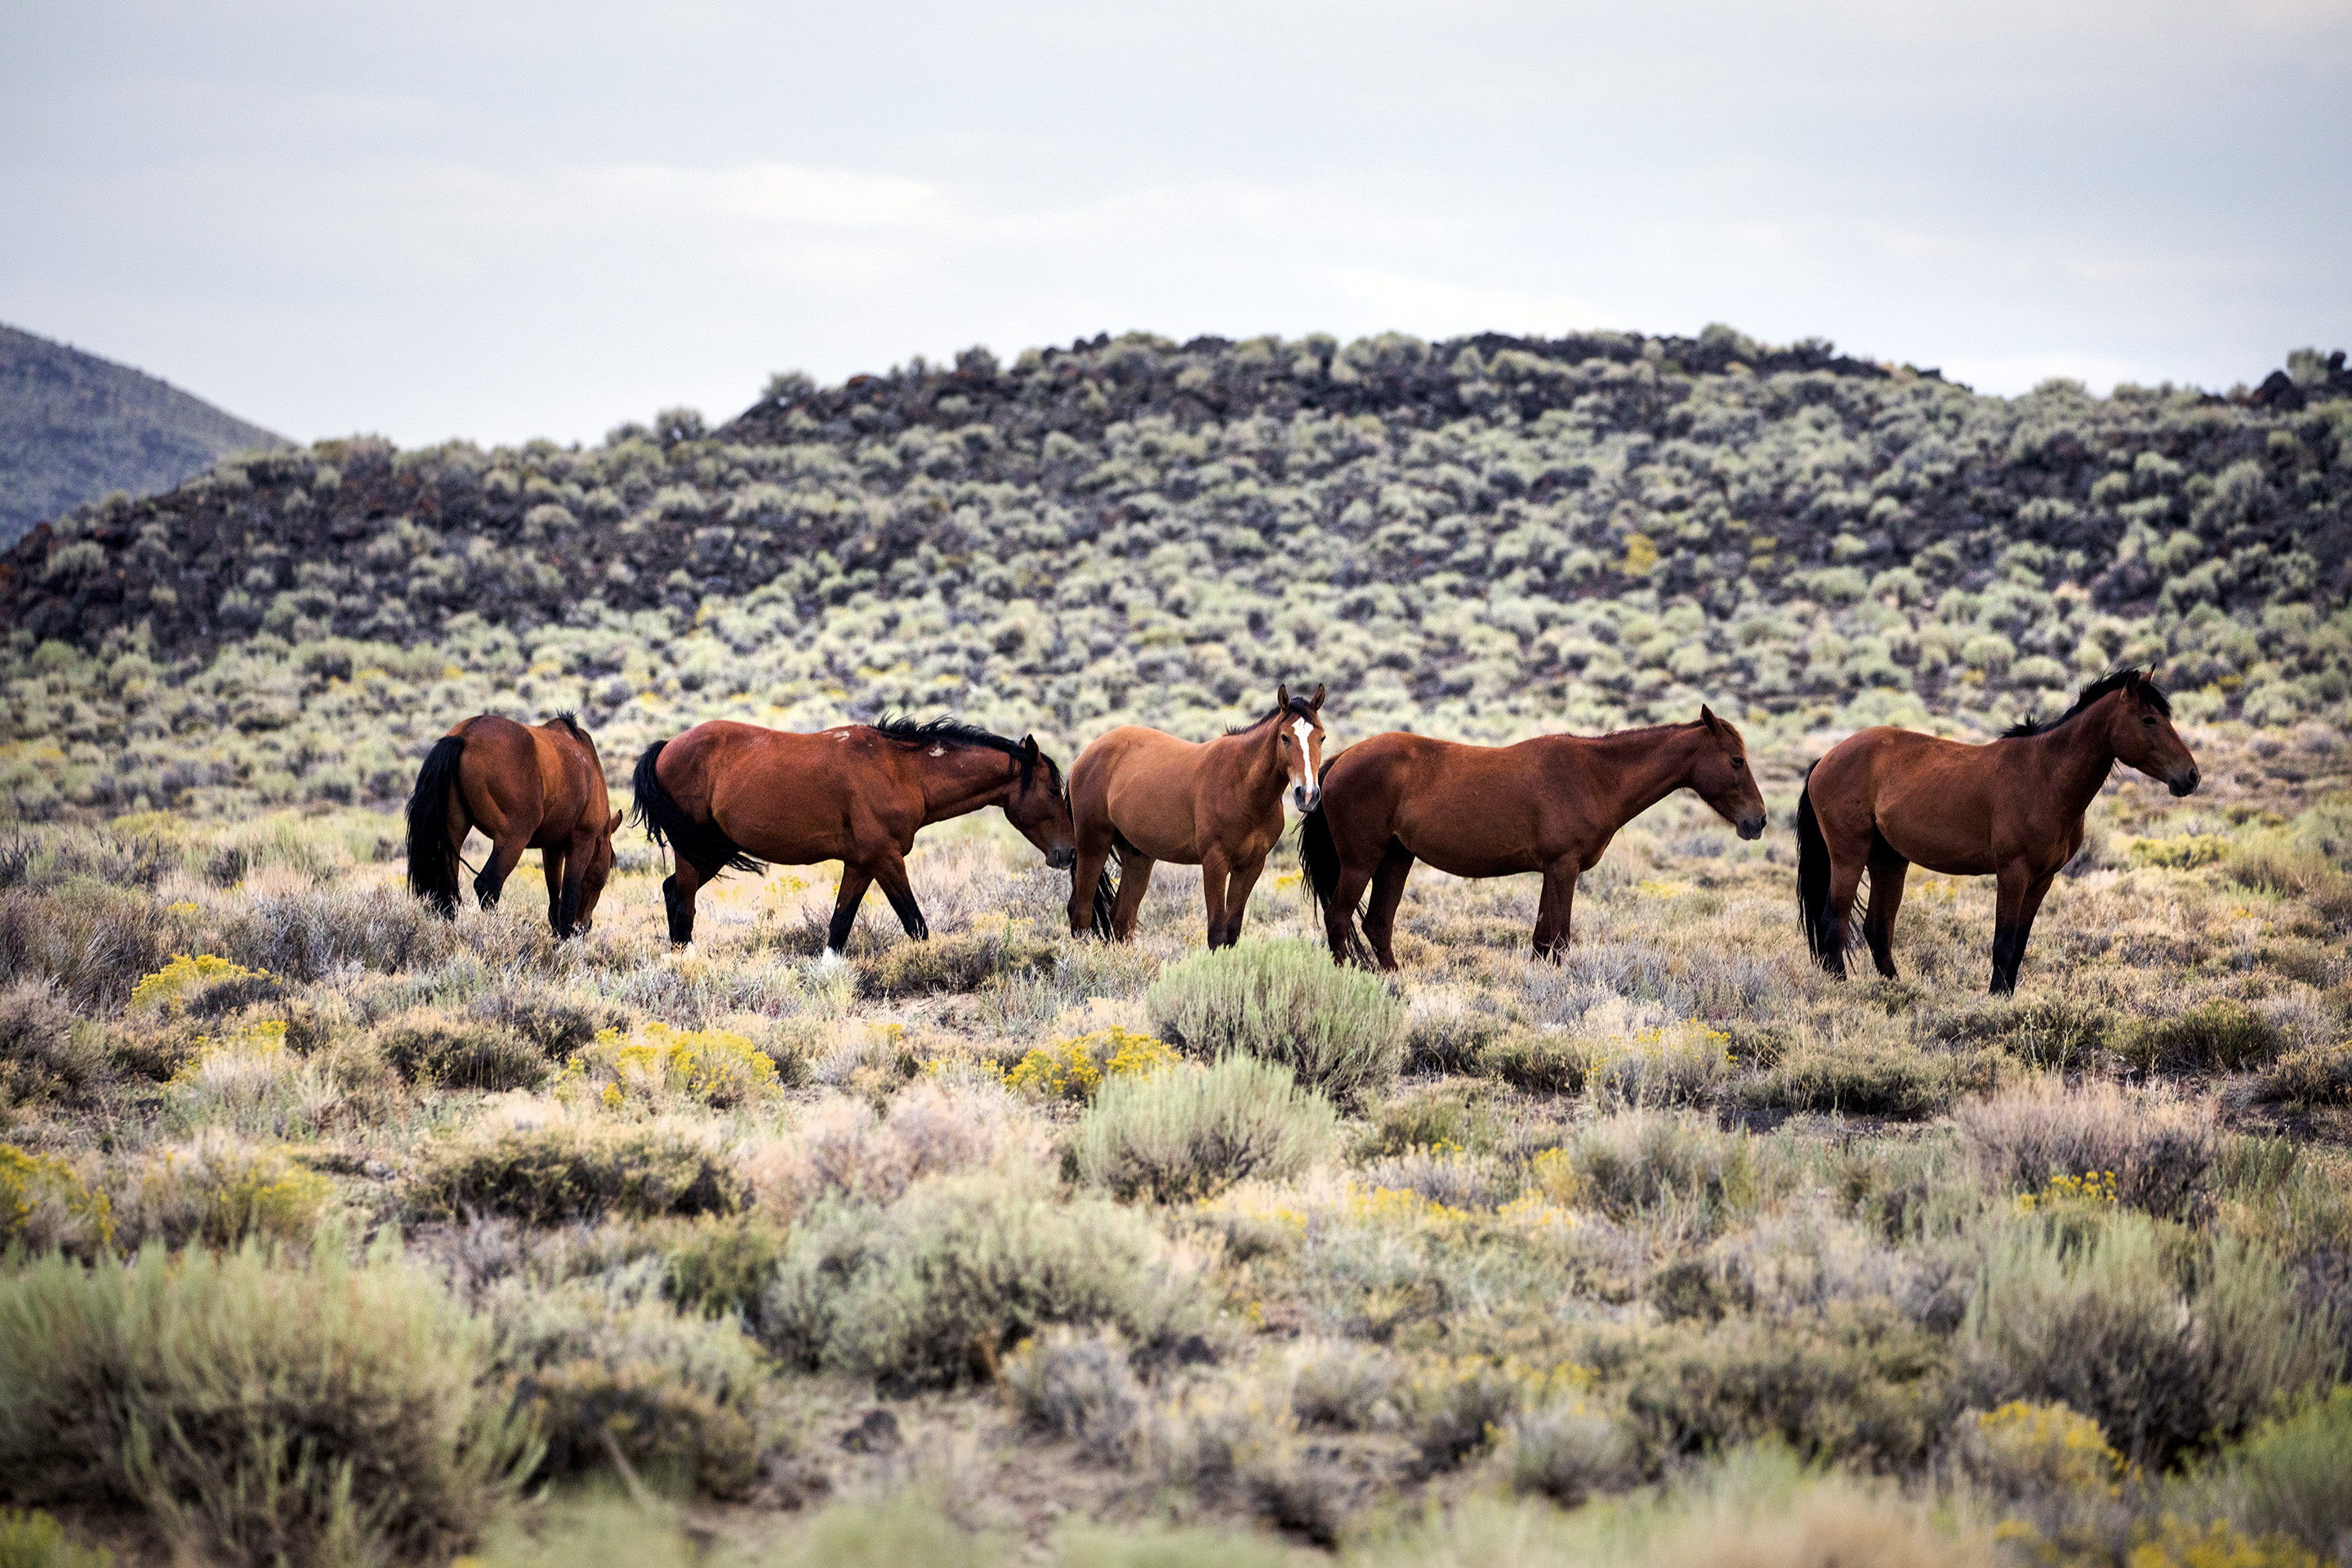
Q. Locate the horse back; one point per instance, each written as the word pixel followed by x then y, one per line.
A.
pixel 1163 793
pixel 790 797
pixel 1937 802
pixel 1473 810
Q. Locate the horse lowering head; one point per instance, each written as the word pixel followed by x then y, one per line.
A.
pixel 1299 741
pixel 2139 728
pixel 1039 805
pixel 591 880
pixel 1723 778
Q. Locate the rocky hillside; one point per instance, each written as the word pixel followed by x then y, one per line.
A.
pixel 74 428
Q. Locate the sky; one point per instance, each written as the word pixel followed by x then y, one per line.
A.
pixel 500 221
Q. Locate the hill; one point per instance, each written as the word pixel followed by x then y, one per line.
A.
pixel 1483 537
pixel 74 426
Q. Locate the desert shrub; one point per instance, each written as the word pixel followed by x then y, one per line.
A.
pixel 2316 1075
pixel 2278 860
pixel 31 1539
pixel 714 1067
pixel 2161 1150
pixel 557 1024
pixel 1567 1451
pixel 2289 1477
pixel 931 1290
pixel 1346 1386
pixel 1451 1178
pixel 309 935
pixel 1457 1408
pixel 1073 1069
pixel 2218 1035
pixel 426 1045
pixel 568 1170
pixel 963 961
pixel 723 1262
pixel 250 1080
pixel 2109 1326
pixel 844 1147
pixel 1340 1031
pixel 1635 1162
pixel 2055 1031
pixel 45 1059
pixel 91 942
pixel 2022 1450
pixel 1078 1386
pixel 2185 852
pixel 1448 1030
pixel 1857 1384
pixel 254 1407
pixel 189 984
pixel 218 1190
pixel 1441 1117
pixel 1193 1130
pixel 44 1204
pixel 1548 1063
pixel 1676 1064
pixel 1858 1078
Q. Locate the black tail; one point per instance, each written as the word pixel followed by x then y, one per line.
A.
pixel 432 859
pixel 1106 893
pixel 1318 866
pixel 1812 875
pixel 700 844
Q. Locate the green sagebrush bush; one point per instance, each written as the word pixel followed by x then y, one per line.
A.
pixel 604 1361
pixel 931 1290
pixel 2164 1357
pixel 1340 1031
pixel 257 1407
pixel 1640 1162
pixel 1540 1063
pixel 31 1539
pixel 2291 1478
pixel 2220 1035
pixel 46 1057
pixel 1076 1386
pixel 963 961
pixel 2159 1149
pixel 426 1045
pixel 2316 1075
pixel 568 1170
pixel 1190 1131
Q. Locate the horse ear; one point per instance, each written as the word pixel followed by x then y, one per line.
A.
pixel 1029 747
pixel 1707 716
pixel 1282 698
pixel 1315 701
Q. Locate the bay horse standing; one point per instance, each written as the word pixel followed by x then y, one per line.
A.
pixel 727 796
pixel 1551 804
pixel 526 787
pixel 1149 796
pixel 2012 809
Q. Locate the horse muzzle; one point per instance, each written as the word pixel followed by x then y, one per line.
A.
pixel 1306 797
pixel 1752 827
pixel 2183 784
pixel 1062 859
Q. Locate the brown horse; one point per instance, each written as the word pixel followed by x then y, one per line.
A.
pixel 540 787
pixel 2013 809
pixel 727 796
pixel 1549 805
pixel 1147 796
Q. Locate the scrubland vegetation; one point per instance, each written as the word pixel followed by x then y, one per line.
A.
pixel 333 1233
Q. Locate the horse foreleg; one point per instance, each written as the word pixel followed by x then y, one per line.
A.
pixel 677 900
pixel 551 865
pixel 855 880
pixel 892 875
pixel 1237 895
pixel 1215 871
pixel 1559 904
pixel 2020 895
pixel 1388 893
pixel 1845 882
pixel 1887 870
pixel 1086 876
pixel 574 871
pixel 1134 879
pixel 506 852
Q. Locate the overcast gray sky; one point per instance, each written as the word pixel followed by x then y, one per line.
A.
pixel 504 221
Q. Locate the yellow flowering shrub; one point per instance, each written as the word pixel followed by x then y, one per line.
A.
pixel 2092 1189
pixel 719 1068
pixel 168 986
pixel 43 1201
pixel 1073 1069
pixel 2175 1543
pixel 2027 1446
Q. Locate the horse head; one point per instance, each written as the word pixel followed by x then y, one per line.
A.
pixel 1039 805
pixel 2139 729
pixel 1299 742
pixel 591 880
pixel 1723 778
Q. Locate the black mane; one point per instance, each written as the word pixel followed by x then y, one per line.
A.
pixel 1299 709
pixel 945 732
pixel 570 721
pixel 2114 680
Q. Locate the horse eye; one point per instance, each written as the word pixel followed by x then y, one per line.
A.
pixel 1739 761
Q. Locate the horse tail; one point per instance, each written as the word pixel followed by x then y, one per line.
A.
pixel 701 845
pixel 432 859
pixel 1813 874
pixel 1319 865
pixel 1106 891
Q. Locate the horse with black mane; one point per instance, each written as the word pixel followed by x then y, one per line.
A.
pixel 1146 796
pixel 1551 804
pixel 728 796
pixel 2012 809
pixel 526 787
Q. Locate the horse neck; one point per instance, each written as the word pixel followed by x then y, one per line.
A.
pixel 2075 758
pixel 961 779
pixel 1262 774
pixel 1644 766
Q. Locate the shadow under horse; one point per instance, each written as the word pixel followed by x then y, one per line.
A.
pixel 2012 809
pixel 729 796
pixel 1551 804
pixel 1144 796
pixel 537 786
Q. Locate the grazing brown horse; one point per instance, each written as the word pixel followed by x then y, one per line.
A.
pixel 538 787
pixel 726 796
pixel 1147 796
pixel 1549 805
pixel 2013 809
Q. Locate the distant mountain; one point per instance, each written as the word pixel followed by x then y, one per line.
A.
pixel 74 426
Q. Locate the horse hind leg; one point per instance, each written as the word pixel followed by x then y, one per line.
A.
pixel 855 880
pixel 892 875
pixel 551 865
pixel 1388 893
pixel 1837 911
pixel 506 853
pixel 1134 881
pixel 1887 870
pixel 2020 895
pixel 677 900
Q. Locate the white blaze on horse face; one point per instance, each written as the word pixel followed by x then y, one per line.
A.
pixel 1304 793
